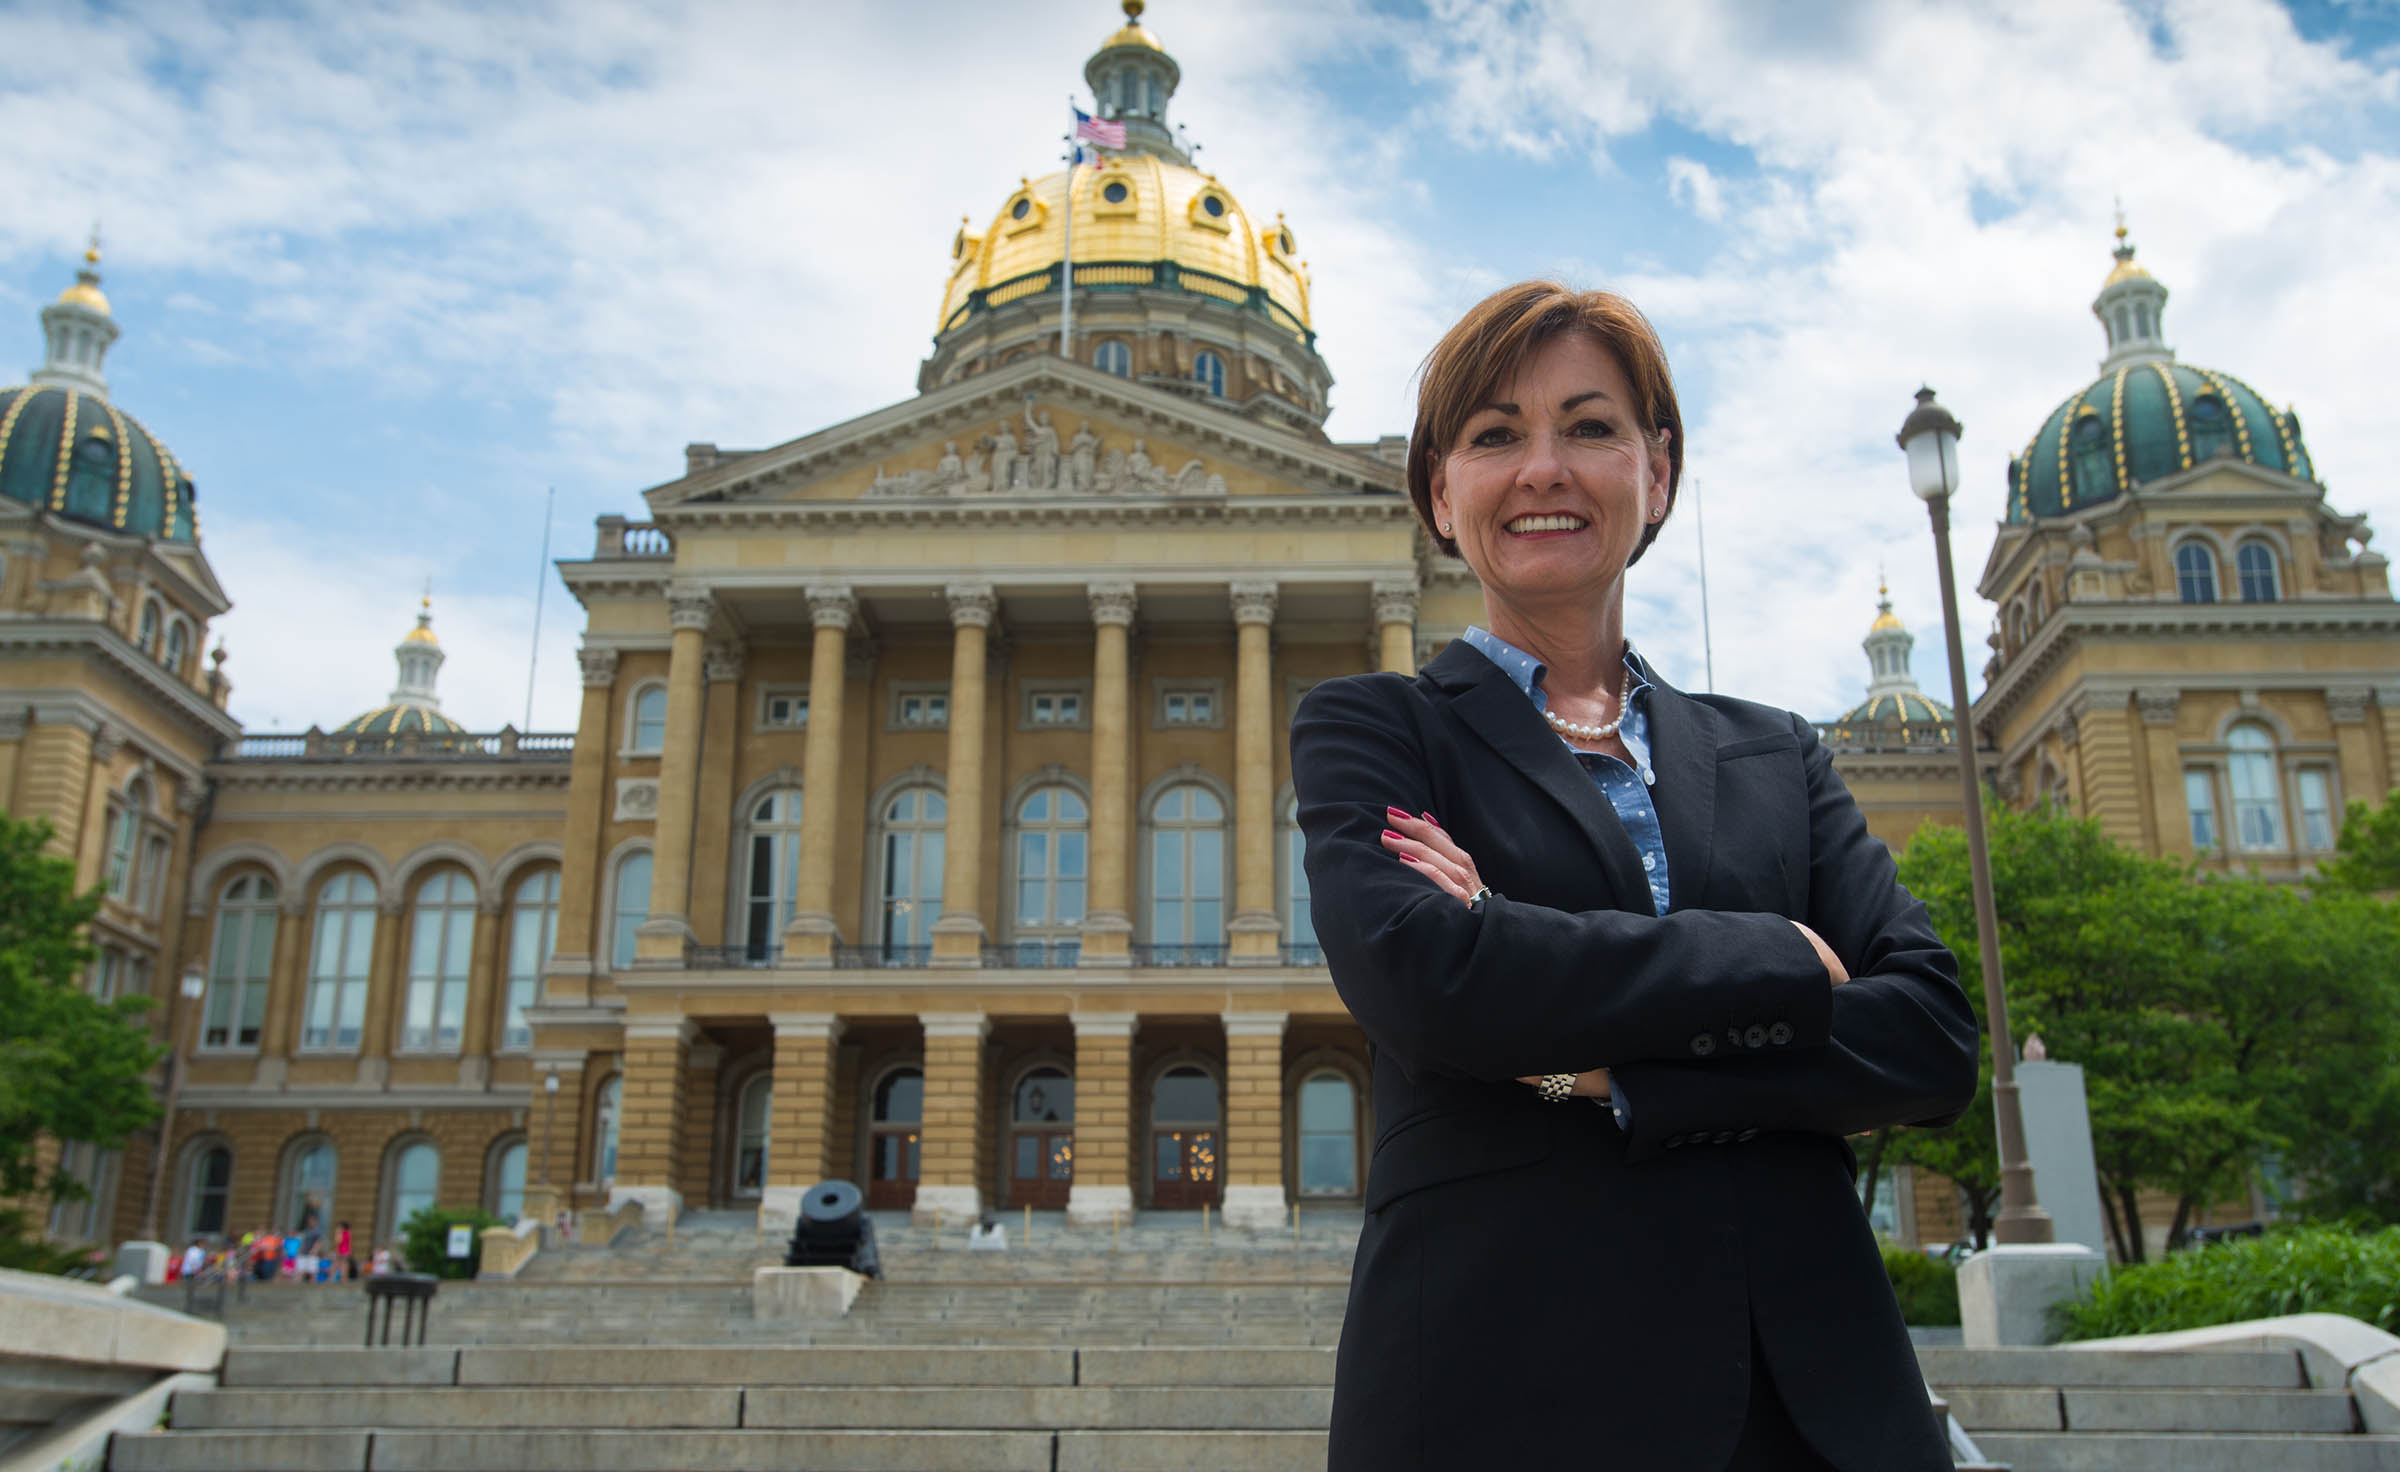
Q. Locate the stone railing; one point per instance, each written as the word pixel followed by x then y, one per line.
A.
pixel 314 745
pixel 506 1249
pixel 1887 736
pixel 78 1362
pixel 600 1228
pixel 621 539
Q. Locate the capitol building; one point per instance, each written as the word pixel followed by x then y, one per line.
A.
pixel 928 821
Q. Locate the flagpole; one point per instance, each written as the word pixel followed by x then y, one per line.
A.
pixel 1066 260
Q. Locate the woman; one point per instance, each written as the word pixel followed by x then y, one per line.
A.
pixel 1632 968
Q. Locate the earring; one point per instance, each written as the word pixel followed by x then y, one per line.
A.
pixel 1445 528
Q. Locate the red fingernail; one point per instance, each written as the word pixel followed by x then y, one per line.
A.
pixel 1388 833
pixel 1430 818
pixel 1395 812
pixel 1407 858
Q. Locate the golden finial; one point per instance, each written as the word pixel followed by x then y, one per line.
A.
pixel 2120 217
pixel 91 252
pixel 1133 11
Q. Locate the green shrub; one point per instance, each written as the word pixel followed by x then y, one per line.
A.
pixel 425 1240
pixel 1927 1290
pixel 2298 1270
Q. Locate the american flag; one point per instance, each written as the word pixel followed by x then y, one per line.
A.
pixel 1089 129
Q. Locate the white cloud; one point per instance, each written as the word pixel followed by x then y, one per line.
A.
pixel 1691 184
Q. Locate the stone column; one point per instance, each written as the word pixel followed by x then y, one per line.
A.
pixel 695 1151
pixel 1254 1196
pixel 12 743
pixel 287 989
pixel 800 1130
pixel 1396 625
pixel 52 780
pixel 946 1193
pixel 712 835
pixel 567 976
pixel 384 987
pixel 92 836
pixel 958 934
pixel 2347 705
pixel 1255 933
pixel 810 938
pixel 2165 756
pixel 1108 919
pixel 2105 757
pixel 650 1115
pixel 485 996
pixel 659 944
pixel 1103 1187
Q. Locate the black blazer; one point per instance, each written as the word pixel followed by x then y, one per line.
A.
pixel 1532 1281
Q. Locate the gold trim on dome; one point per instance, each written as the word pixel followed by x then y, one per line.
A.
pixel 1197 210
pixel 2183 439
pixel 66 454
pixel 171 475
pixel 124 466
pixel 2233 409
pixel 2116 432
pixel 8 421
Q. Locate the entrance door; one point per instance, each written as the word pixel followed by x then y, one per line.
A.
pixel 1041 1143
pixel 894 1144
pixel 1184 1138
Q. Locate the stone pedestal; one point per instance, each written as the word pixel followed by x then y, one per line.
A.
pixel 2005 1294
pixel 2058 1144
pixel 779 1211
pixel 946 1206
pixel 1256 1208
pixel 1099 1206
pixel 145 1261
pixel 660 1204
pixel 803 1293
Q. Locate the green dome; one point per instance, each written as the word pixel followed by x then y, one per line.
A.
pixel 401 720
pixel 77 454
pixel 1907 708
pixel 2143 421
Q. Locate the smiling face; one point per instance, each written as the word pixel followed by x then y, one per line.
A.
pixel 1548 486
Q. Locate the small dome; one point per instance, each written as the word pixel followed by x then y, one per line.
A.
pixel 1906 707
pixel 1886 620
pixel 76 454
pixel 401 720
pixel 84 294
pixel 2143 421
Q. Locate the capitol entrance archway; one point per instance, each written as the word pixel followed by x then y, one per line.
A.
pixel 1041 1139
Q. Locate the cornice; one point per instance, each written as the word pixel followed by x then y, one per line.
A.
pixel 299 774
pixel 1009 510
pixel 350 1096
pixel 101 641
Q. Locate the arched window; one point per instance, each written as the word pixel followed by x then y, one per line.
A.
pixel 532 936
pixel 2195 573
pixel 2315 786
pixel 440 949
pixel 2088 460
pixel 308 1187
pixel 1328 1135
pixel 241 963
pixel 1299 923
pixel 124 832
pixel 605 1113
pixel 1187 876
pixel 895 1115
pixel 1051 868
pixel 1184 1121
pixel 146 639
pixel 416 1183
pixel 912 874
pixel 504 1179
pixel 649 720
pixel 632 906
pixel 178 643
pixel 2212 432
pixel 1113 356
pixel 2254 561
pixel 1041 1138
pixel 207 1188
pixel 1209 369
pixel 2257 793
pixel 774 862
pixel 340 962
pixel 752 1120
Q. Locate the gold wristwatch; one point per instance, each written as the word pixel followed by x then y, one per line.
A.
pixel 1556 1088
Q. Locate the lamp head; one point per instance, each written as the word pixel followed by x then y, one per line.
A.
pixel 1929 436
pixel 550 1082
pixel 194 983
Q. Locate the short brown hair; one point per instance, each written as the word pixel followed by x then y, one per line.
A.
pixel 1495 338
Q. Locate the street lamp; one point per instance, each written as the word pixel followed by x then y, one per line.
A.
pixel 549 1111
pixel 179 1044
pixel 1929 436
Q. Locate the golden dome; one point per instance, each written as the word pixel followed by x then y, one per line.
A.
pixel 1166 212
pixel 2126 270
pixel 423 632
pixel 84 294
pixel 1886 620
pixel 1132 32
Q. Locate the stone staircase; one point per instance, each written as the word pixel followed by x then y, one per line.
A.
pixel 2153 1410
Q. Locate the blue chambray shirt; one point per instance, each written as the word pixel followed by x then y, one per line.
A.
pixel 1627 788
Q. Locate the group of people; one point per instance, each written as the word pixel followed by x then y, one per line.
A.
pixel 304 1254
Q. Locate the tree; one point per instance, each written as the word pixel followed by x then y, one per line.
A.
pixel 72 1067
pixel 2366 851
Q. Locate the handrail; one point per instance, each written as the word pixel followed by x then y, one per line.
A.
pixel 505 744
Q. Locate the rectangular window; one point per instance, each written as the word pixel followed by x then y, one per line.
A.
pixel 153 877
pixel 533 935
pixel 783 710
pixel 123 824
pixel 1189 708
pixel 924 710
pixel 2200 797
pixel 1057 708
pixel 2316 809
pixel 108 974
pixel 238 975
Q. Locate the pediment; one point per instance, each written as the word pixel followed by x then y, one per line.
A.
pixel 1037 430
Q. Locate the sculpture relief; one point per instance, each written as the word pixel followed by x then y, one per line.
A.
pixel 1001 462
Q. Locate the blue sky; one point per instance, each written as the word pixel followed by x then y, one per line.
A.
pixel 387 272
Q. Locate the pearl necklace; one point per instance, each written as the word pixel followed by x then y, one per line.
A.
pixel 1600 732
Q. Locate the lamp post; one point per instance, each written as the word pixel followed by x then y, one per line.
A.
pixel 179 1045
pixel 549 1111
pixel 1929 436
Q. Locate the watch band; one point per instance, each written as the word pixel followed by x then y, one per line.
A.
pixel 1556 1088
